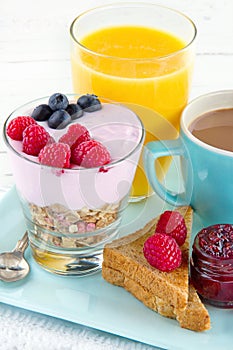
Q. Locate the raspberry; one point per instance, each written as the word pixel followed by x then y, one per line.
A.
pixel 172 223
pixel 90 154
pixel 162 252
pixel 35 137
pixel 17 125
pixel 56 155
pixel 75 135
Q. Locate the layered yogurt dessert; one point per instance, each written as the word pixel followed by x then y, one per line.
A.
pixel 73 160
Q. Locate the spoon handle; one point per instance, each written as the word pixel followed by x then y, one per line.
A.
pixel 22 244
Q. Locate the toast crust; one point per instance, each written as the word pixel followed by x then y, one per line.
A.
pixel 169 294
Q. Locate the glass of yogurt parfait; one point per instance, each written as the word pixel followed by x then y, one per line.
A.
pixel 73 159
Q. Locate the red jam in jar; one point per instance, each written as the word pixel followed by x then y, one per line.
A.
pixel 211 265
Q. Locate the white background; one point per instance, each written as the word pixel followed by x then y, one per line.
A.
pixel 34 62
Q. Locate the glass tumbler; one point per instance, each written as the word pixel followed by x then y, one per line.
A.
pixel 137 53
pixel 71 213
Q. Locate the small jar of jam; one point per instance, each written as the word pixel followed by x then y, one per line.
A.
pixel 211 265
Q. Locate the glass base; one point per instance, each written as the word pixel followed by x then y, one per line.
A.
pixel 135 199
pixel 68 264
pixel 70 254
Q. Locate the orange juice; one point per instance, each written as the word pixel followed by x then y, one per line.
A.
pixel 142 66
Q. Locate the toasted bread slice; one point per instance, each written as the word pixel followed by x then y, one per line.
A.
pixel 126 255
pixel 167 293
pixel 194 317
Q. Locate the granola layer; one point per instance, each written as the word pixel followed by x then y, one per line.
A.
pixel 61 221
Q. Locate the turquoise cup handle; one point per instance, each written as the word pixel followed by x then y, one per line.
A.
pixel 156 149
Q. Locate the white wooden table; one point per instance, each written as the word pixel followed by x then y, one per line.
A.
pixel 34 62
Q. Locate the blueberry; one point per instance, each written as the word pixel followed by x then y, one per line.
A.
pixel 42 113
pixel 89 103
pixel 85 100
pixel 74 110
pixel 59 119
pixel 58 101
pixel 94 106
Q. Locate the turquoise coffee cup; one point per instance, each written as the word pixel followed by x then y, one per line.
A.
pixel 207 171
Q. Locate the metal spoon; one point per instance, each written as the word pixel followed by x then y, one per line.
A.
pixel 13 266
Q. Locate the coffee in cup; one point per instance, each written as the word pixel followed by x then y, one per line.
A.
pixel 205 147
pixel 215 128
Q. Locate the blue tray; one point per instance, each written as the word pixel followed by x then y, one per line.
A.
pixel 93 302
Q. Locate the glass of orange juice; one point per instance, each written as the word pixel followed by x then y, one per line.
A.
pixel 141 55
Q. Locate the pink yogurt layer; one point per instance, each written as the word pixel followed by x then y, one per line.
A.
pixel 119 129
